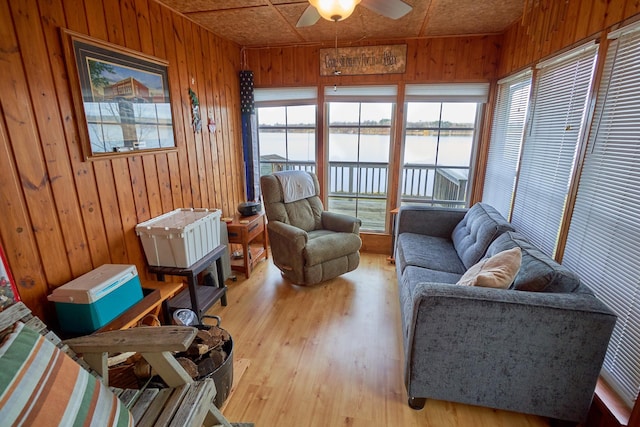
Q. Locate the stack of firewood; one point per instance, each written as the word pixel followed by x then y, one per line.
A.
pixel 206 352
pixel 203 357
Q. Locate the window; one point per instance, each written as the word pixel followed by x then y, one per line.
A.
pixel 602 244
pixel 548 156
pixel 439 142
pixel 506 140
pixel 359 143
pixel 286 129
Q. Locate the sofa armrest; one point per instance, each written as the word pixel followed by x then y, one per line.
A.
pixel 340 222
pixel 428 220
pixel 521 351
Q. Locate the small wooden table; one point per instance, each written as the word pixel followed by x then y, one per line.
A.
pixel 243 230
pixel 196 297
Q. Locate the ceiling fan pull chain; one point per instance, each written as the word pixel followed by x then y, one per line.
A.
pixel 336 72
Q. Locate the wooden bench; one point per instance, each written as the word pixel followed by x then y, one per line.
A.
pixel 184 403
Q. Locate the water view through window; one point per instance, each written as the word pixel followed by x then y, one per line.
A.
pixel 438 146
pixel 287 138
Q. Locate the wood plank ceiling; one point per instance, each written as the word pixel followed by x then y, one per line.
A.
pixel 273 22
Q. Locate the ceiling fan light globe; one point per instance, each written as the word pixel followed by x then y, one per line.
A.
pixel 334 10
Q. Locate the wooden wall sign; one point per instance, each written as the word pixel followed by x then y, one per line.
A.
pixel 350 61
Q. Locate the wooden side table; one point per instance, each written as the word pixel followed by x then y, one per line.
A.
pixel 198 298
pixel 243 230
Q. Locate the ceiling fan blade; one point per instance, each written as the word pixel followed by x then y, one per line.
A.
pixel 393 9
pixel 309 17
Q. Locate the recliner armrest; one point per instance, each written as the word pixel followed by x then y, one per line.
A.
pixel 340 222
pixel 288 232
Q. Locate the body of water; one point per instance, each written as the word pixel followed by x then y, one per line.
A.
pixel 454 150
pixel 420 181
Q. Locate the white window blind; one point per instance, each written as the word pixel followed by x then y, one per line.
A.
pixel 378 93
pixel 277 97
pixel 603 242
pixel 548 152
pixel 506 139
pixel 448 92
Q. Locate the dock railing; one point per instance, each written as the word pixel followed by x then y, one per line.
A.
pixel 368 181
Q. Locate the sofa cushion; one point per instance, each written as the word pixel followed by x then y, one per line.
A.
pixel 435 253
pixel 538 272
pixel 413 275
pixel 36 371
pixel 497 271
pixel 473 235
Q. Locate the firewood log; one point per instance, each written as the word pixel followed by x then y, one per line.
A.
pixel 206 366
pixel 142 369
pixel 206 338
pixel 189 366
pixel 217 356
pixel 197 349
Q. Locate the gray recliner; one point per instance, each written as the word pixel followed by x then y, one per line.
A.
pixel 308 244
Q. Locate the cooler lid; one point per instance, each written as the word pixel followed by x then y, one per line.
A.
pixel 95 284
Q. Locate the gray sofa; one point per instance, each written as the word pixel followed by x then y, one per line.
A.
pixel 536 347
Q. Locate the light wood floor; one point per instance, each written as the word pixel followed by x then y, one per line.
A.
pixel 330 355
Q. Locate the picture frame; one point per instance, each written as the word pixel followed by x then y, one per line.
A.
pixel 8 291
pixel 121 98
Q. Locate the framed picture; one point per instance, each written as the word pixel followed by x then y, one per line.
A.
pixel 121 97
pixel 8 292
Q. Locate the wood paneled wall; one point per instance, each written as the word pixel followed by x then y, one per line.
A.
pixel 62 216
pixel 433 60
pixel 459 59
pixel 549 26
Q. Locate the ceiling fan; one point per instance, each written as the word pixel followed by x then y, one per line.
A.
pixel 337 10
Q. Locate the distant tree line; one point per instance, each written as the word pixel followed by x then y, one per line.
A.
pixel 434 124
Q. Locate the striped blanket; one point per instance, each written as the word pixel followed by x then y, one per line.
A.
pixel 42 386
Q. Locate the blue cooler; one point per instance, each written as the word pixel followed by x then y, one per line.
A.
pixel 94 299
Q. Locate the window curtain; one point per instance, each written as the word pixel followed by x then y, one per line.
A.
pixel 560 96
pixel 506 140
pixel 602 244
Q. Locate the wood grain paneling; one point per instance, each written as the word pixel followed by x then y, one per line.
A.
pixel 446 59
pixel 64 216
pixel 550 26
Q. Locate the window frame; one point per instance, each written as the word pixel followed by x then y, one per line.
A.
pixel 540 148
pixel 287 97
pixel 503 155
pixel 445 93
pixel 362 98
pixel 605 261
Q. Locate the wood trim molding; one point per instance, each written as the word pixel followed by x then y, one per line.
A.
pixel 612 406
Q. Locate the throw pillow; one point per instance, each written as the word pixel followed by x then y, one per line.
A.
pixel 40 385
pixel 495 272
